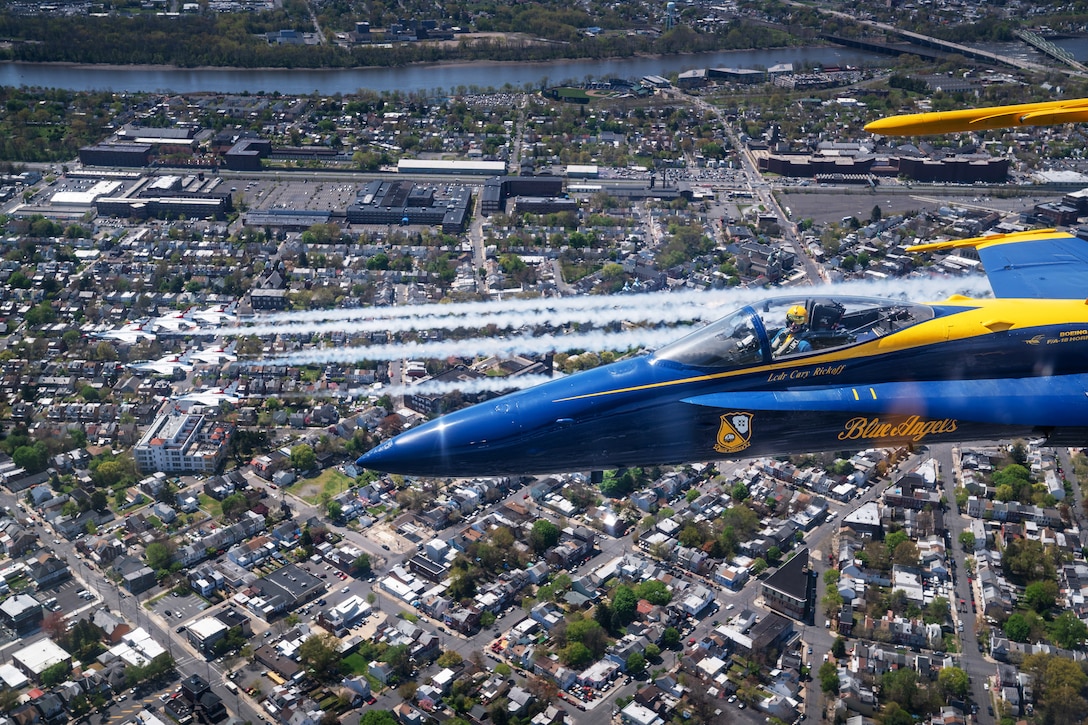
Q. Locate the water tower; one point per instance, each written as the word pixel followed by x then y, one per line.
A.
pixel 670 16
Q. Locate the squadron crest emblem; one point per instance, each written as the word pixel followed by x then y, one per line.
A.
pixel 734 433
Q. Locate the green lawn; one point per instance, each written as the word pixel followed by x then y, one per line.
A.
pixel 209 504
pixel 573 93
pixel 356 664
pixel 330 481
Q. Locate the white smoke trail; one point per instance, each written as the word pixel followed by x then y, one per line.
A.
pixel 469 387
pixel 502 321
pixel 660 307
pixel 484 346
pixel 431 387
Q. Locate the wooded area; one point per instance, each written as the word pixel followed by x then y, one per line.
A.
pixel 236 41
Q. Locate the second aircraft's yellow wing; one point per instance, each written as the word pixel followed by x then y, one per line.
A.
pixel 982 119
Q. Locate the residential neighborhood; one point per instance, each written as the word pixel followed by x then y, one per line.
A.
pixel 219 306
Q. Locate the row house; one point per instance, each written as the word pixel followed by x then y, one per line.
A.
pixel 997 596
pixel 15 539
pixel 498 595
pixel 904 631
pixel 221 539
pixel 252 553
pixel 1013 511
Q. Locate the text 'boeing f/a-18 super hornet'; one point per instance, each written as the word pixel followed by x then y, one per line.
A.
pixel 803 374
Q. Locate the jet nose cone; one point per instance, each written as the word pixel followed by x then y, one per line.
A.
pixel 455 444
pixel 407 453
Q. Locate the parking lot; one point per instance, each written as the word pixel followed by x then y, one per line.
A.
pixel 291 193
pixel 179 610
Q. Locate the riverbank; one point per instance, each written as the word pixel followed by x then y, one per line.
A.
pixel 148 67
pixel 439 77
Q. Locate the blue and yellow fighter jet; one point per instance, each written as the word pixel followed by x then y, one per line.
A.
pixel 805 374
pixel 874 372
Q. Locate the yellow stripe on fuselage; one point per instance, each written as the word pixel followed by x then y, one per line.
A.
pixel 978 317
pixel 1035 235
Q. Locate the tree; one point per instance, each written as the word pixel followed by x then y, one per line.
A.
pixel 838 647
pixel 576 655
pixel 303 457
pixel 1016 628
pixel 9 698
pixel 56 674
pixel 361 565
pixel 158 555
pixel 320 654
pixel 378 717
pixel 636 663
pixel 894 539
pixel 967 541
pixel 99 500
pixel 1068 631
pixel 829 678
pixel 670 638
pixel 832 602
pixel 1041 595
pixel 896 715
pixel 54 624
pixel 624 606
pixel 449 658
pixel 902 686
pixel 740 491
pixel 544 535
pixel 234 506
pixel 653 591
pixel 33 458
pixel 953 682
pixel 937 611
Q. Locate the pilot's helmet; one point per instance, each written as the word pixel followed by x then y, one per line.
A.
pixel 797 315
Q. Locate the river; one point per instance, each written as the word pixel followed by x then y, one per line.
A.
pixel 416 78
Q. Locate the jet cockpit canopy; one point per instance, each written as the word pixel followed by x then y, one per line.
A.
pixel 743 338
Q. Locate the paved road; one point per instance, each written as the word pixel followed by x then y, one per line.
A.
pixel 130 607
pixel 764 195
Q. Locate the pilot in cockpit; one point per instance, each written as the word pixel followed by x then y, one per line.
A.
pixel 791 340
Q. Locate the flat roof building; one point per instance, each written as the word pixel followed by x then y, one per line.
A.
pixel 21 612
pixel 439 166
pixel 36 658
pixel 118 154
pixel 402 202
pixel 205 632
pixel 183 443
pixel 285 590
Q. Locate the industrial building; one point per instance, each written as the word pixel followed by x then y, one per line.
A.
pixel 953 169
pixel 438 166
pixel 246 155
pixel 193 195
pixel 117 154
pixel 500 188
pixel 402 202
pixel 543 205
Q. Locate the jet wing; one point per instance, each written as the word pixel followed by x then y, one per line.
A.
pixel 1040 264
pixel 1033 401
